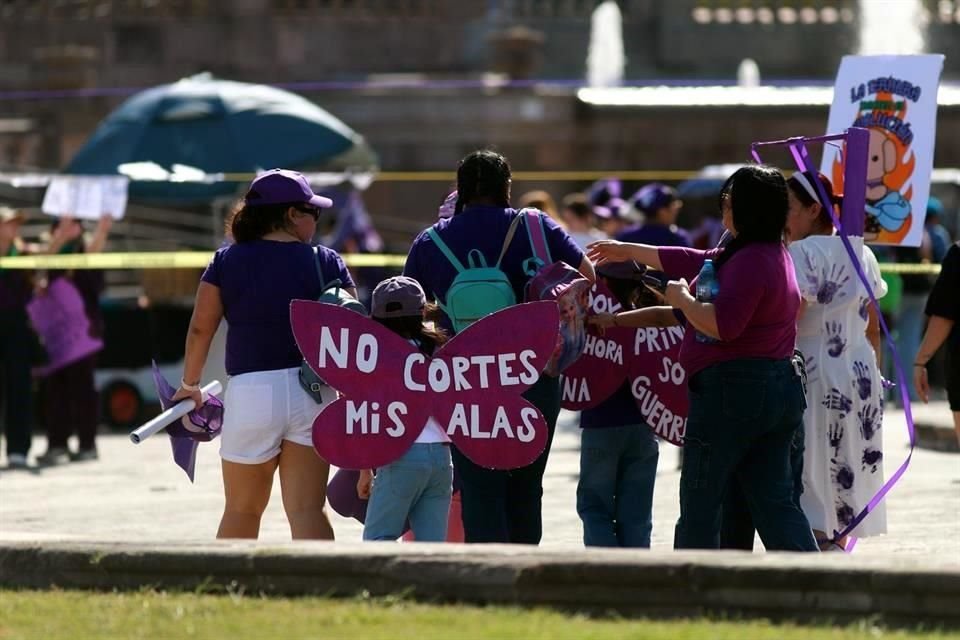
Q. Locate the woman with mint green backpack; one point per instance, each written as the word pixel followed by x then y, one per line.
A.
pixel 486 233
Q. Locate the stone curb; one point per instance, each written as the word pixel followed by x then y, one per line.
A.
pixel 834 588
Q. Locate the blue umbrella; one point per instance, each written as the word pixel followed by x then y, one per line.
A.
pixel 218 126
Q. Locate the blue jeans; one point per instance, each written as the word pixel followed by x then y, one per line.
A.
pixel 744 415
pixel 618 468
pixel 417 486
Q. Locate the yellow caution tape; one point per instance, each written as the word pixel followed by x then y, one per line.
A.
pixel 162 260
pixel 200 259
pixel 518 176
pixel 911 268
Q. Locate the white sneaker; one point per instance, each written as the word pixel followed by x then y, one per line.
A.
pixel 53 457
pixel 16 461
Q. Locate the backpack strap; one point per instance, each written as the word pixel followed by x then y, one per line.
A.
pixel 316 263
pixel 445 250
pixel 538 235
pixel 538 238
pixel 509 238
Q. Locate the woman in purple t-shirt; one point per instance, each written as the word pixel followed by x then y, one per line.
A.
pixel 746 399
pixel 268 417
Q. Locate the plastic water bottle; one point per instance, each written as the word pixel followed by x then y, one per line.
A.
pixel 707 290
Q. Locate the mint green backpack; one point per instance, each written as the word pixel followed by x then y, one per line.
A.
pixel 477 290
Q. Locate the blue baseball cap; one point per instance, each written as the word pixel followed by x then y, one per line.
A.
pixel 283 186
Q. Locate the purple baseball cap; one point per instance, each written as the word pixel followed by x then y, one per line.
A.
pixel 282 186
pixel 397 297
pixel 653 197
pixel 614 209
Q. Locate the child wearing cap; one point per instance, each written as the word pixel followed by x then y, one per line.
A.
pixel 418 486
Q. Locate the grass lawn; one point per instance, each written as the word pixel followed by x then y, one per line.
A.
pixel 149 614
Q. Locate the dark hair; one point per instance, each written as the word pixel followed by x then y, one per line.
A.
pixel 78 245
pixel 428 337
pixel 759 204
pixel 801 194
pixel 578 204
pixel 631 294
pixel 252 222
pixel 483 174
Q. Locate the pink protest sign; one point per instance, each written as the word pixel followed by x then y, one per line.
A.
pixel 600 370
pixel 471 385
pixel 658 382
pixel 61 322
pixel 647 358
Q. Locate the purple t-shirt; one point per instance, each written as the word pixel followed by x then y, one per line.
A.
pixel 659 235
pixel 619 410
pixel 257 281
pixel 756 308
pixel 483 228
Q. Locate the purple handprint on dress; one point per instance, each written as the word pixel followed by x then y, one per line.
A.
pixel 835 435
pixel 835 342
pixel 836 400
pixel 845 513
pixel 869 418
pixel 861 380
pixel 864 305
pixel 830 284
pixel 842 474
pixel 871 458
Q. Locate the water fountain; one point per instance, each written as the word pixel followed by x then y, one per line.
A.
pixel 892 27
pixel 605 58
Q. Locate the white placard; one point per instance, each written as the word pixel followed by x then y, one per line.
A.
pixel 895 97
pixel 86 197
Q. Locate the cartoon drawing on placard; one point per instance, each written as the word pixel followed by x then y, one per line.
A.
pixel 895 99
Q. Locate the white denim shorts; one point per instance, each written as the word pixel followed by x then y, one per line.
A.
pixel 263 408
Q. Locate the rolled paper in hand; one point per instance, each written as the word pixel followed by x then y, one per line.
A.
pixel 173 414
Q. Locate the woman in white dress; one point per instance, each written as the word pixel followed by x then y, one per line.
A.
pixel 838 333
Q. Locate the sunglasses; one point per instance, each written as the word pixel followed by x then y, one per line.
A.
pixel 311 211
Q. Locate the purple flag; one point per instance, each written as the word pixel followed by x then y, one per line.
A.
pixel 200 425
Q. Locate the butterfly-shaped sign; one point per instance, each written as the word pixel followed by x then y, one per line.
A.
pixel 647 358
pixel 471 385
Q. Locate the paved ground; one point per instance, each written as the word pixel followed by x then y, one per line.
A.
pixel 136 494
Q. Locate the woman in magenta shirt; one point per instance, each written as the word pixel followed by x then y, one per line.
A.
pixel 746 400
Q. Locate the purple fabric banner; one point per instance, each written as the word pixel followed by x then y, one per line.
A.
pixel 200 425
pixel 59 318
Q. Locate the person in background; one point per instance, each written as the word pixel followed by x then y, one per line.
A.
pixel 939 236
pixel 352 232
pixel 618 451
pixel 544 202
pixel 916 287
pixel 268 417
pixel 943 311
pixel 609 209
pixel 660 207
pixel 71 402
pixel 498 506
pixel 579 220
pixel 417 486
pixel 746 396
pixel 16 336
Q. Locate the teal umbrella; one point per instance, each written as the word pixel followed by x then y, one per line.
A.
pixel 216 126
